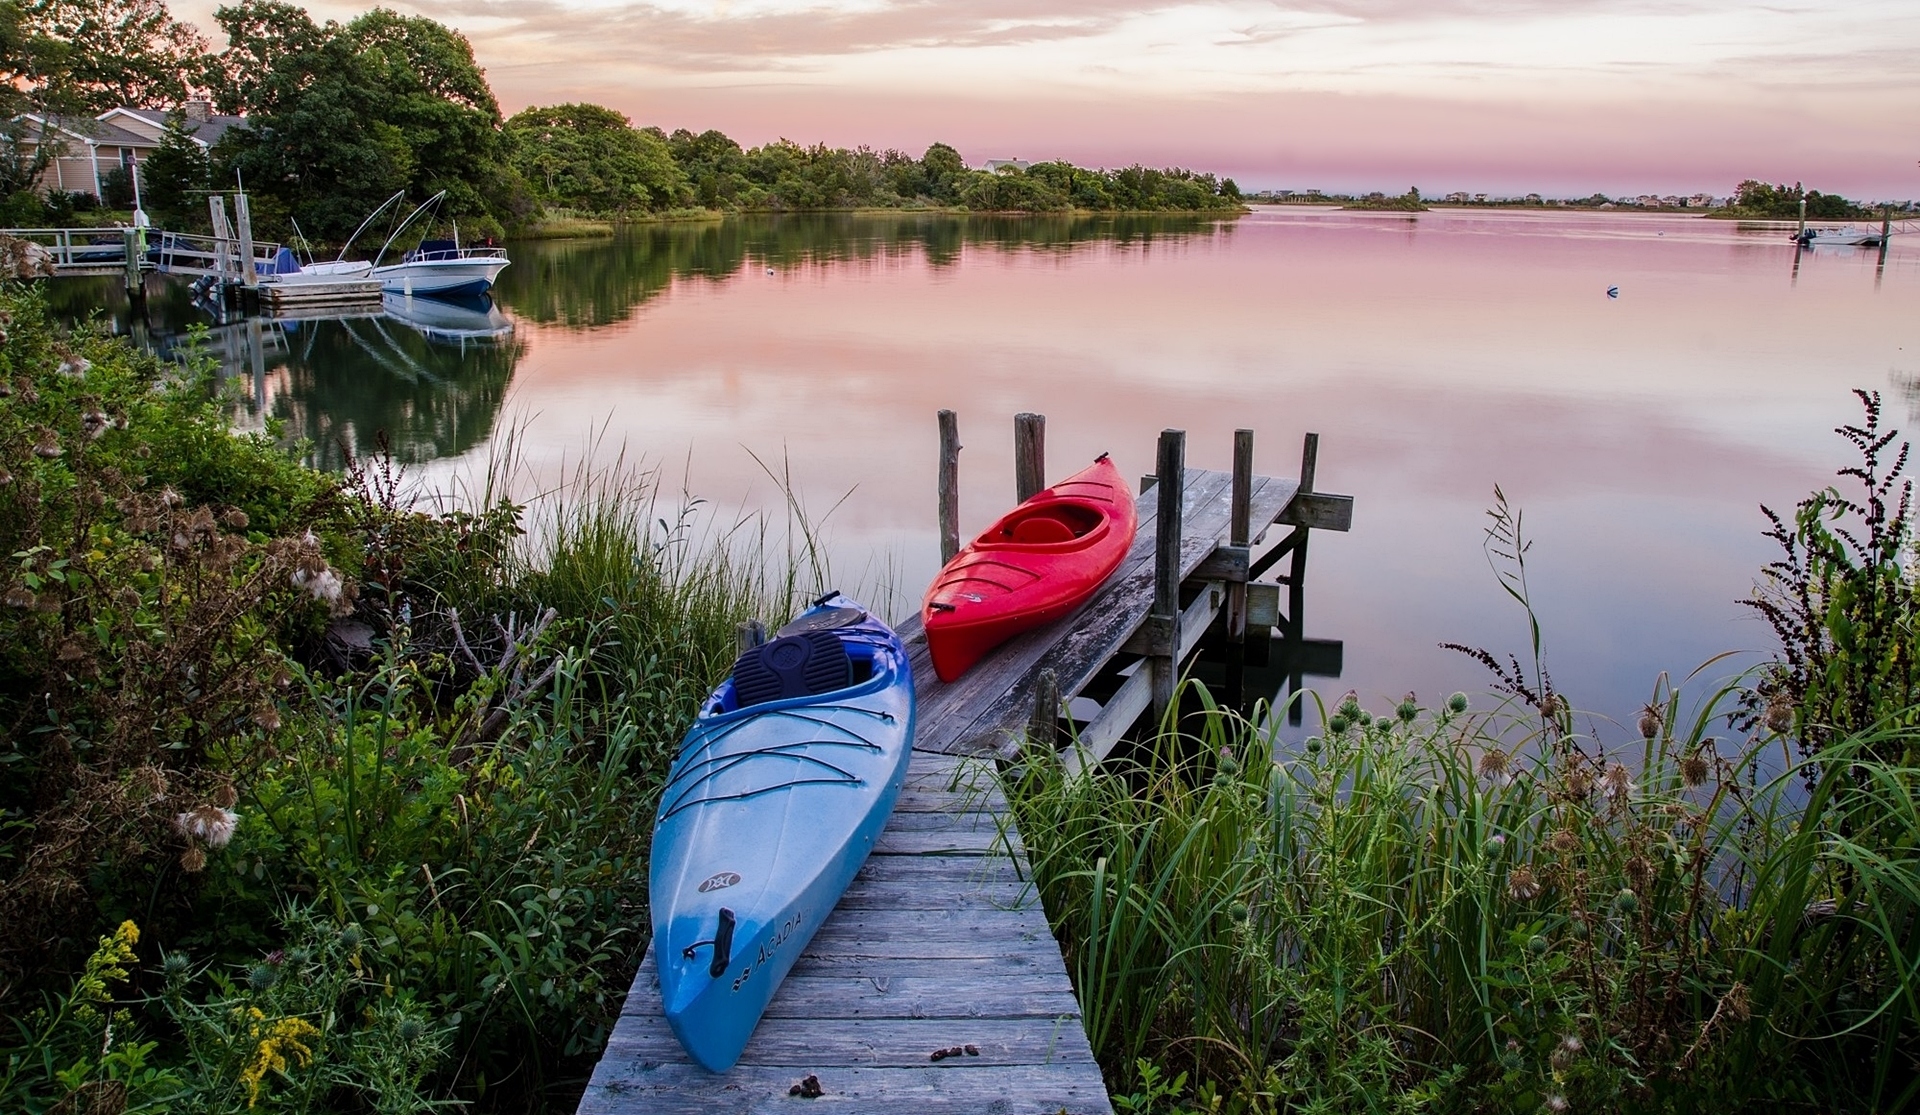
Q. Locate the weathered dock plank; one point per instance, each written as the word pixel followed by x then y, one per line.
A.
pixel 939 942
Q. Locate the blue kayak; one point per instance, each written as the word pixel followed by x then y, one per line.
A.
pixel 778 793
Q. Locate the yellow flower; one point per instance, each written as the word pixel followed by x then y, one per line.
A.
pixel 106 966
pixel 274 1044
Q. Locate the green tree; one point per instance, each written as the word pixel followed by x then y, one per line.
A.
pixel 174 179
pixel 349 115
pixel 584 156
pixel 112 52
pixel 943 168
pixel 261 36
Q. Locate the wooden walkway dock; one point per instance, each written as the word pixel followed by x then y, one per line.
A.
pixel 941 942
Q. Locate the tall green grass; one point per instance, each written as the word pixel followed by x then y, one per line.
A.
pixel 1436 909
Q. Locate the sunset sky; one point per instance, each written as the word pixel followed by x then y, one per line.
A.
pixel 1560 96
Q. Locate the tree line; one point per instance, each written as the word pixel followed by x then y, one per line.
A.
pixel 341 116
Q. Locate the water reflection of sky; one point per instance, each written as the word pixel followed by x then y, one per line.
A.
pixel 1436 356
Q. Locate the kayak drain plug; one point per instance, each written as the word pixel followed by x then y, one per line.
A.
pixel 722 945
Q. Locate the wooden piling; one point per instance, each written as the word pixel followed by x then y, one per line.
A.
pixel 1029 455
pixel 130 239
pixel 748 635
pixel 1239 535
pixel 1163 619
pixel 243 217
pixel 1297 580
pixel 949 486
pixel 1043 725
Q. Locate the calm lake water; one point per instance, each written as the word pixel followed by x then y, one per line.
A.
pixel 1437 355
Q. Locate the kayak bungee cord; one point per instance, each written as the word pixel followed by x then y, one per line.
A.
pixel 685 780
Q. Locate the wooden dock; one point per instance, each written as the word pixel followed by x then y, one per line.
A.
pixel 941 943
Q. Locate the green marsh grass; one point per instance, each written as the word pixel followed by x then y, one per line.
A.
pixel 1448 910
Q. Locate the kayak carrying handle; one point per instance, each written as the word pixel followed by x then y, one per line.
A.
pixel 722 945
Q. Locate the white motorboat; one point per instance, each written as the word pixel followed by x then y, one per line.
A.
pixel 442 268
pixel 1847 237
pixel 287 269
pixel 438 268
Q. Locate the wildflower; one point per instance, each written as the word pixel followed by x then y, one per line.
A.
pixel 1493 767
pixel 1626 901
pixel 75 367
pixel 210 824
pixel 1571 1045
pixel 1779 714
pixel 175 965
pixel 193 860
pixel 280 1044
pixel 108 963
pixel 1617 783
pixel 1457 703
pixel 1496 843
pixel 1409 708
pixel 262 977
pixel 1350 704
pixel 18 596
pixel 1337 724
pixel 1237 911
pixel 1537 945
pixel 1555 1102
pixel 1693 771
pixel 1650 721
pixel 94 423
pixel 47 444
pixel 1522 885
pixel 410 1030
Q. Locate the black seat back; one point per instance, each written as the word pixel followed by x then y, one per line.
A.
pixel 802 665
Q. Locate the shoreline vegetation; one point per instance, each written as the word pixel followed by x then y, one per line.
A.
pixel 324 800
pixel 566 226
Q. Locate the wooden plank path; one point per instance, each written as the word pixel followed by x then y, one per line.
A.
pixel 940 942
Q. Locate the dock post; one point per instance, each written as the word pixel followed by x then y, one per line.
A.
pixel 244 218
pixel 748 635
pixel 130 238
pixel 949 486
pixel 1043 724
pixel 1297 583
pixel 1239 533
pixel 1163 620
pixel 1029 455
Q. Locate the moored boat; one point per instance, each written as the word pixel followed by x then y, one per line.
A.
pixel 779 791
pixel 441 268
pixel 1034 565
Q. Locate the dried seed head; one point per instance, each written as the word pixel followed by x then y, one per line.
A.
pixel 194 859
pixel 75 367
pixel 19 597
pixel 1651 719
pixel 6 478
pixel 1617 783
pixel 6 388
pixel 210 824
pixel 235 519
pixel 1779 715
pixel 1738 1003
pixel 224 795
pixel 94 423
pixel 1694 770
pixel 170 497
pixel 128 598
pixel 1522 885
pixel 72 649
pixel 1572 1044
pixel 1579 783
pixel 1564 841
pixel 268 717
pixel 1640 872
pixel 46 444
pixel 1493 767
pixel 150 783
pixel 142 452
pixel 1555 1103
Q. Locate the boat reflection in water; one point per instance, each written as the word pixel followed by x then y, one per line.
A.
pixel 426 375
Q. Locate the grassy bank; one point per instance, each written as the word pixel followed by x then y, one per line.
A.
pixel 318 800
pixel 1435 908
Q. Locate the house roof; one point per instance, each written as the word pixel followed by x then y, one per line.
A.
pixel 207 132
pixel 92 131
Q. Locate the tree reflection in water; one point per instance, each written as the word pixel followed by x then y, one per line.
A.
pixel 595 282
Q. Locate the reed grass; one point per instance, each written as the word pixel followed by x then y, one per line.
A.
pixel 1447 910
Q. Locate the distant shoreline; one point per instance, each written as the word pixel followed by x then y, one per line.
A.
pixel 577 228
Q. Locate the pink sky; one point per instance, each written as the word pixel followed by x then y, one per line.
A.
pixel 1560 96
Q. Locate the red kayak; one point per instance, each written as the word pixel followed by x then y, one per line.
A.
pixel 1039 562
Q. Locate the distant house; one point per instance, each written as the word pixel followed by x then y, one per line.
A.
pixel 118 137
pixel 995 166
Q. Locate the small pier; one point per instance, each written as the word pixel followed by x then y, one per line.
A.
pixel 936 984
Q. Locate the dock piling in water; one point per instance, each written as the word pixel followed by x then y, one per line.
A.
pixel 949 486
pixel 1029 456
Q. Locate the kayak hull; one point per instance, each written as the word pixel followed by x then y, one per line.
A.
pixel 1035 565
pixel 768 813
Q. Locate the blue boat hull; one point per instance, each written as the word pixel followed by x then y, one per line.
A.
pixel 767 815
